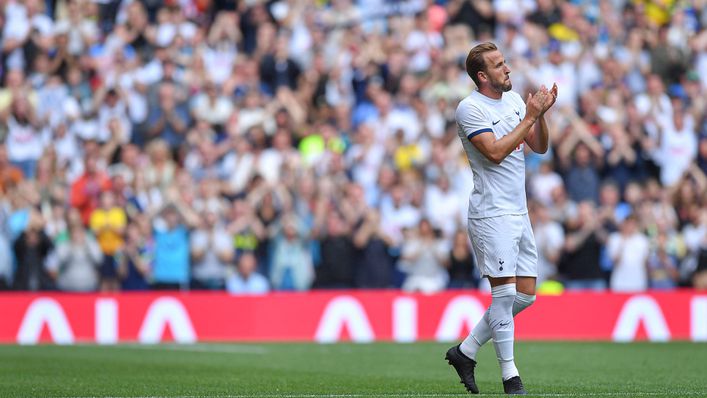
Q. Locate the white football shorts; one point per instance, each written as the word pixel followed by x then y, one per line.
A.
pixel 504 246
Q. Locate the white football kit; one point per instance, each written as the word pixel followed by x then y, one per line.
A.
pixel 498 224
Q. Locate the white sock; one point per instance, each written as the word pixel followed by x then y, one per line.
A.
pixel 482 332
pixel 478 337
pixel 502 327
pixel 521 302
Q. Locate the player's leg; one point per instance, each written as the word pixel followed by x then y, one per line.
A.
pixel 503 235
pixel 501 324
pixel 496 244
pixel 526 268
pixel 525 285
pixel 480 234
pixel 465 364
pixel 500 321
pixel 526 271
pixel 481 334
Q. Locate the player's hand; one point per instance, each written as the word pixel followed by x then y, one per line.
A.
pixel 551 97
pixel 534 105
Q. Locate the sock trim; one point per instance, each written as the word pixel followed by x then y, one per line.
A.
pixel 475 339
pixel 504 290
pixel 526 298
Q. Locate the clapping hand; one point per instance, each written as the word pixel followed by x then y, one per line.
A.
pixel 535 104
pixel 538 103
pixel 550 98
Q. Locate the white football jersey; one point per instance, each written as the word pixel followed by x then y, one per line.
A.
pixel 499 189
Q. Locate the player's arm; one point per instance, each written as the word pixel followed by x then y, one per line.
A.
pixel 538 139
pixel 494 149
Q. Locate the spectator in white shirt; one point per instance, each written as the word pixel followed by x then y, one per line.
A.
pixel 559 69
pixel 653 105
pixel 211 251
pixel 629 250
pixel 211 106
pixel 422 44
pixel 544 183
pixel 442 206
pixel 24 140
pixel 113 107
pixel 423 259
pixel 678 144
pixel 549 238
pixel 397 214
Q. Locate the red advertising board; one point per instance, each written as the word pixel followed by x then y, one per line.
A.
pixel 340 316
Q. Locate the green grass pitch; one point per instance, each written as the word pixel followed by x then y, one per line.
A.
pixel 346 370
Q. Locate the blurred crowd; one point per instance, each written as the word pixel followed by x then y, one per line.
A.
pixel 253 145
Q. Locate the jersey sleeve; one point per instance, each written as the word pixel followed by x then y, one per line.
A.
pixel 471 120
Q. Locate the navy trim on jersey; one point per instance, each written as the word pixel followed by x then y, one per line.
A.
pixel 477 132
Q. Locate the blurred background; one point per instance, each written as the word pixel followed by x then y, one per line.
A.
pixel 254 146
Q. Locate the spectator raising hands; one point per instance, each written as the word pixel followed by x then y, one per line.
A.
pixel 315 139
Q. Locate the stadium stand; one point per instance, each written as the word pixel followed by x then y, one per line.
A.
pixel 148 144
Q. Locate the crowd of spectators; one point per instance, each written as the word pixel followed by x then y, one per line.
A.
pixel 253 145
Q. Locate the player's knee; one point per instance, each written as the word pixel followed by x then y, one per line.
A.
pixel 502 298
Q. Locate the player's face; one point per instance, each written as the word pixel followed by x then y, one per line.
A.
pixel 497 72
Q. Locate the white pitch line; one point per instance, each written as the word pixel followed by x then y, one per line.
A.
pixel 223 349
pixel 432 395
